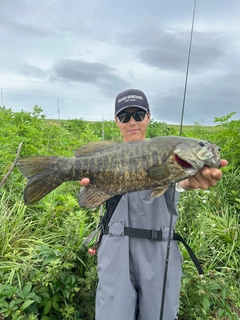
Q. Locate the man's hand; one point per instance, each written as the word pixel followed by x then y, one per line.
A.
pixel 205 178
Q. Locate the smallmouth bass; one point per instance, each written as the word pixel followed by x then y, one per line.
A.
pixel 118 168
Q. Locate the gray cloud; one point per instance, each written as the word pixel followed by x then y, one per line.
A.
pixel 167 49
pixel 24 69
pixel 204 101
pixel 81 71
pixel 18 18
pixel 85 53
pixel 94 73
pixel 28 70
pixel 24 29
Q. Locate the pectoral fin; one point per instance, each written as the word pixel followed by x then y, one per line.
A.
pixel 158 172
pixel 157 192
pixel 91 197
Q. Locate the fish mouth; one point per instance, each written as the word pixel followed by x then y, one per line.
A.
pixel 182 162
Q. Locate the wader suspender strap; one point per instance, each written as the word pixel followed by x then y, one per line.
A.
pixel 111 205
pixel 192 255
pixel 154 235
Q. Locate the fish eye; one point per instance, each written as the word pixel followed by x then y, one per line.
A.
pixel 202 144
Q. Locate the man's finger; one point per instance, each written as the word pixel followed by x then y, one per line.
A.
pixel 223 163
pixel 84 182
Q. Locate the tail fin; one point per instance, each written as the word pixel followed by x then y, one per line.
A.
pixel 42 174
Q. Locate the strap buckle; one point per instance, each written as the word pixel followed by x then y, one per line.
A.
pixel 116 229
pixel 156 235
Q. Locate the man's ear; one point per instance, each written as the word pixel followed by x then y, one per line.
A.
pixel 117 121
pixel 149 117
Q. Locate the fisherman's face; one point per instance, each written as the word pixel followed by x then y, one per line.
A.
pixel 133 130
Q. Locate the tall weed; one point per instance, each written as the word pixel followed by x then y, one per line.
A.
pixel 45 272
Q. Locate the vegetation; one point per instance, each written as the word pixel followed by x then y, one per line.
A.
pixel 45 270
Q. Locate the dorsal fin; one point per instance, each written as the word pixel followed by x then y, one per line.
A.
pixel 92 147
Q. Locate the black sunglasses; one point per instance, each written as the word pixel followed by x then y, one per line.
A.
pixel 138 116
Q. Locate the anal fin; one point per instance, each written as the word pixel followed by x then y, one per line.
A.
pixel 91 197
pixel 157 192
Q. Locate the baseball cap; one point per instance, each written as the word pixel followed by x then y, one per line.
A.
pixel 131 98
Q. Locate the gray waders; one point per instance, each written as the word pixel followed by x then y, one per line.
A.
pixel 133 258
pixel 131 269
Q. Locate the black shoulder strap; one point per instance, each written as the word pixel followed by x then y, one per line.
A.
pixel 192 255
pixel 111 205
pixel 104 220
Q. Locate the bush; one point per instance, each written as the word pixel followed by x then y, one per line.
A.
pixel 45 271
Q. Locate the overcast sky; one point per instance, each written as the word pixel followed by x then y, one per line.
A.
pixel 72 57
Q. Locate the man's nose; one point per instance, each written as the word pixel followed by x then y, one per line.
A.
pixel 132 120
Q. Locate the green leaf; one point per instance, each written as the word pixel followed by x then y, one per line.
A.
pixel 30 295
pixel 27 288
pixel 224 294
pixel 55 305
pixel 45 294
pixel 12 304
pixel 221 313
pixel 47 307
pixel 215 287
pixel 206 303
pixel 26 304
pixel 37 299
pixel 3 304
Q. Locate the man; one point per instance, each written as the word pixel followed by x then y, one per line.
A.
pixel 131 269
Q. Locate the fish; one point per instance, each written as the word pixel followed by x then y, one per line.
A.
pixel 119 167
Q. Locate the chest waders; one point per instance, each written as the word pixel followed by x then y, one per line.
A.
pixel 104 228
pixel 153 235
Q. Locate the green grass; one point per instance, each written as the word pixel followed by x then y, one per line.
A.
pixel 45 271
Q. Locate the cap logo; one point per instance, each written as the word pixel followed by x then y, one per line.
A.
pixel 130 98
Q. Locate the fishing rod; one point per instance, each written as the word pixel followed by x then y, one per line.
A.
pixel 188 63
pixel 174 189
